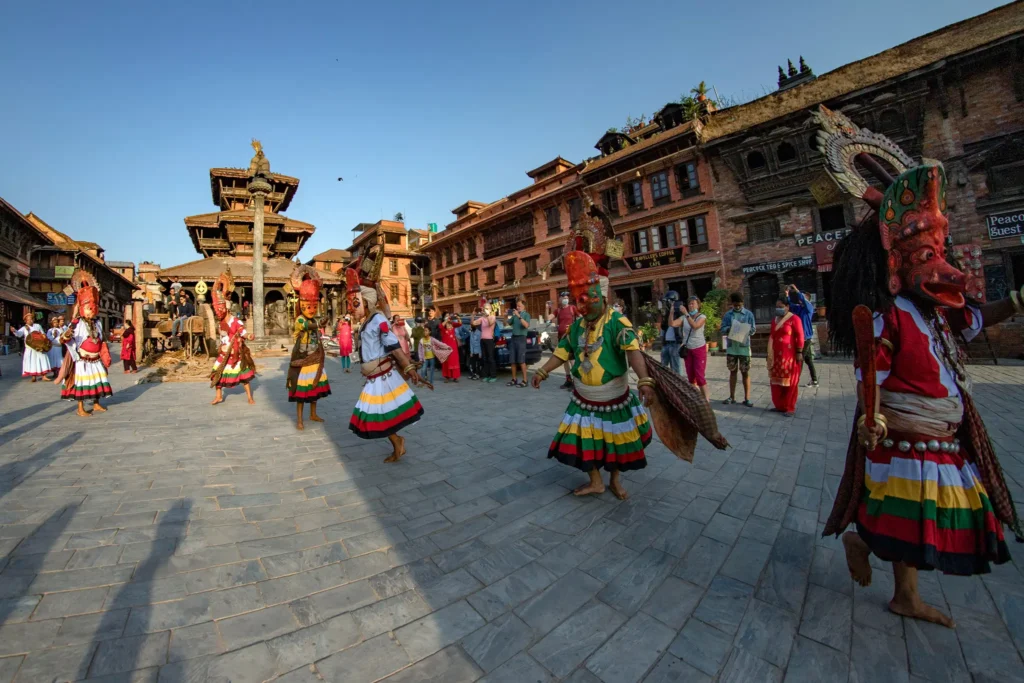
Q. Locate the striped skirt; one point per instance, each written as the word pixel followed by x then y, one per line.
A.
pixel 589 437
pixel 233 375
pixel 386 405
pixel 929 510
pixel 304 390
pixel 90 382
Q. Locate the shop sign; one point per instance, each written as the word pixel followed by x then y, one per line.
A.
pixel 827 236
pixel 71 300
pixel 1008 224
pixel 778 266
pixel 655 259
pixel 63 272
pixel 56 299
pixel 22 269
pixel 824 255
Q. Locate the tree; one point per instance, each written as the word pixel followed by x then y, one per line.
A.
pixel 399 217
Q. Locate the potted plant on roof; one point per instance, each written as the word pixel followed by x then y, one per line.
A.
pixel 701 91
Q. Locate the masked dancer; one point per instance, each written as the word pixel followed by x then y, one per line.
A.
pixel 606 425
pixel 84 372
pixel 922 482
pixel 234 364
pixel 387 403
pixel 307 379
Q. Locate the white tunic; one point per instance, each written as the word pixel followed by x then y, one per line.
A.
pixel 378 339
pixel 33 363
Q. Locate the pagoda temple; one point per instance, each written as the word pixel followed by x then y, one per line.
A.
pixel 225 239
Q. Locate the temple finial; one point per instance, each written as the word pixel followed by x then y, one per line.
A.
pixel 792 69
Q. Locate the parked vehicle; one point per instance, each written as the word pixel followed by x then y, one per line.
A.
pixel 115 333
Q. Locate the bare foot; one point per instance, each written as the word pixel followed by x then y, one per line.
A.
pixel 82 413
pixel 300 426
pixel 252 401
pixel 618 491
pixel 857 553
pixel 397 455
pixel 316 418
pixel 588 489
pixel 917 609
pixel 216 401
pixel 97 408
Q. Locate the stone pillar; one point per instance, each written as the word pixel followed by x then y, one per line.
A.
pixel 258 188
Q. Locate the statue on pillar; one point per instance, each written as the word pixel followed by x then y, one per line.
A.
pixel 260 165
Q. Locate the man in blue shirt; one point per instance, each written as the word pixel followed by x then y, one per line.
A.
pixel 670 335
pixel 801 308
pixel 737 352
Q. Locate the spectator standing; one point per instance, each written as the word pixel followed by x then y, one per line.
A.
pixel 519 319
pixel 670 334
pixel 801 308
pixel 695 360
pixel 433 324
pixel 401 331
pixel 127 348
pixel 345 343
pixel 475 364
pixel 451 369
pixel 784 347
pixel 565 316
pixel 418 332
pixel 487 323
pixel 426 353
pixel 737 353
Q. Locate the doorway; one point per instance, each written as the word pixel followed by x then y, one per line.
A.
pixel 764 292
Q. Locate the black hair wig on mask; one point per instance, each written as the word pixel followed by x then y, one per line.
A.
pixel 860 275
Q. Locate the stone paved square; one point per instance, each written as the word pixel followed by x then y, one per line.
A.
pixel 184 542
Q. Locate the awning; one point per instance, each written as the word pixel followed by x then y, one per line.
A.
pixel 11 294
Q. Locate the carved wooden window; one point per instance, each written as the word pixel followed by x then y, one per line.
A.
pixel 659 188
pixel 554 219
pixel 508 269
pixel 462 282
pixel 890 121
pixel 763 231
pixel 1006 179
pixel 634 194
pixel 451 285
pixel 490 275
pixel 394 293
pixel 667 236
pixel 786 153
pixel 531 265
pixel 474 280
pixel 695 233
pixel 393 266
pixel 610 199
pixel 472 247
pixel 575 206
pixel 756 161
pixel 554 258
pixel 508 237
pixel 687 180
pixel 641 244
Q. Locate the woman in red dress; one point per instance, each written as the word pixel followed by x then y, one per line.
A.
pixel 785 346
pixel 128 348
pixel 345 343
pixel 451 370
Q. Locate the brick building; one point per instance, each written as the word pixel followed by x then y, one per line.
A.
pixel 400 263
pixel 331 261
pixel 511 247
pixel 658 190
pixel 954 95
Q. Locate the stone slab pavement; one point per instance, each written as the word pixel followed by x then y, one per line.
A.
pixel 170 541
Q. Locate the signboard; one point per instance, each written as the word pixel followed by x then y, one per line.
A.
pixel 56 299
pixel 71 299
pixel 22 269
pixel 654 259
pixel 1008 224
pixel 825 190
pixel 778 266
pixel 824 255
pixel 827 236
pixel 63 272
pixel 431 227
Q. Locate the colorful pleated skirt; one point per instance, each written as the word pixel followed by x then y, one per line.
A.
pixel 233 375
pixel 928 509
pixel 305 391
pixel 34 363
pixel 386 405
pixel 610 435
pixel 90 382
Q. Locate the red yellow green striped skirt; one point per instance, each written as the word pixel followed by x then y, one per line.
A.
pixel 90 382
pixel 305 391
pixel 233 375
pixel 386 405
pixel 611 435
pixel 928 509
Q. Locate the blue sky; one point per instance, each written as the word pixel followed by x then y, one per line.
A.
pixel 114 111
